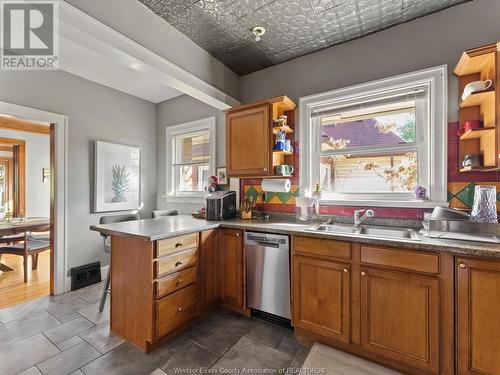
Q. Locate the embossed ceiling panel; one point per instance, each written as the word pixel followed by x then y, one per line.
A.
pixel 293 27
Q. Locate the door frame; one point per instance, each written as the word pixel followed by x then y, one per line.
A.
pixel 18 193
pixel 58 183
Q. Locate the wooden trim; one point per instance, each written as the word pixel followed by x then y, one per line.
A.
pixel 17 124
pixel 19 168
pixel 287 103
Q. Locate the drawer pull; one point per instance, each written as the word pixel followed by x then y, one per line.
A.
pixel 363 273
pixel 462 265
pixel 179 282
pixel 179 309
pixel 179 263
pixel 346 270
pixel 178 244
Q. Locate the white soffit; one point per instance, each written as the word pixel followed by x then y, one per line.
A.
pixel 94 51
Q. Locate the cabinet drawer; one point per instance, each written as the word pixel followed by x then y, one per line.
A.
pixel 406 259
pixel 175 281
pixel 176 262
pixel 175 309
pixel 317 246
pixel 175 244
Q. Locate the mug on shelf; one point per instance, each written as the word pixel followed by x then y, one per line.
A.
pixel 284 170
pixel 475 86
pixel 468 126
pixel 472 160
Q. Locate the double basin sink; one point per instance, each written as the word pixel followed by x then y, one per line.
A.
pixel 368 231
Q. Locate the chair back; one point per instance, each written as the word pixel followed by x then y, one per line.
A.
pixel 160 213
pixel 117 219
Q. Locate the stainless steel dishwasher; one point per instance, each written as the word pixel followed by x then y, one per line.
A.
pixel 268 273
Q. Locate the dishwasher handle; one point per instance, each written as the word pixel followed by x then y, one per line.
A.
pixel 266 244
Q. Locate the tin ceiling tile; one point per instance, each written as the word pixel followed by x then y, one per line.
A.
pixel 293 27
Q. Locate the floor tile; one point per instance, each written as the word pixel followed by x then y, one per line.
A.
pixel 69 343
pixel 219 331
pixel 91 294
pixel 187 356
pixel 250 354
pixel 25 354
pixel 158 371
pixel 67 330
pixel 101 338
pixel 19 311
pixel 92 313
pixel 59 309
pixel 77 372
pixel 19 329
pixel 289 344
pixel 31 371
pixel 70 360
pixel 127 359
pixel 267 333
pixel 66 318
pixel 298 359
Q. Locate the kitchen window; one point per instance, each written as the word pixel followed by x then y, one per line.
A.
pixel 190 159
pixel 372 144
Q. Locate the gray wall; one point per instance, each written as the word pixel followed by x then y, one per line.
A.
pixel 436 39
pixel 94 112
pixel 174 112
pixel 134 20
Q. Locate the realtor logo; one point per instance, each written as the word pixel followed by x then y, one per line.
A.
pixel 29 35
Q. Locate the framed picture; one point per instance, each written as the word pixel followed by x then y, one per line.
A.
pixel 222 176
pixel 117 177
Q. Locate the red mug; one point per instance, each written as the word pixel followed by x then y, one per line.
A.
pixel 468 126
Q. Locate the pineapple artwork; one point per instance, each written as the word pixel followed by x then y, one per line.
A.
pixel 119 184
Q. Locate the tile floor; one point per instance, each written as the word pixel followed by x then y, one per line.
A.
pixel 66 335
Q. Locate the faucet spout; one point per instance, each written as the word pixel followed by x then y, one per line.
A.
pixel 358 218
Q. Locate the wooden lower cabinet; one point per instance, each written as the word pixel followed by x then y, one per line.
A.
pixel 210 268
pixel 478 316
pixel 400 317
pixel 232 276
pixel 321 290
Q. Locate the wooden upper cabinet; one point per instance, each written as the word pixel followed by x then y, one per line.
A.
pixel 321 302
pixel 400 317
pixel 250 139
pixel 210 267
pixel 478 321
pixel 232 268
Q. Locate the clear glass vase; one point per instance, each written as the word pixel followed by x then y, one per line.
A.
pixel 484 209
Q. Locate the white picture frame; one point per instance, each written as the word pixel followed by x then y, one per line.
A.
pixel 117 177
pixel 222 176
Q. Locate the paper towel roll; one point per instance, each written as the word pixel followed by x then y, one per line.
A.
pixel 279 185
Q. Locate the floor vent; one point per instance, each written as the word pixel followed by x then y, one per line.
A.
pixel 85 275
pixel 284 322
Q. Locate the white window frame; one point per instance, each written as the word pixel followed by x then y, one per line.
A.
pixel 170 135
pixel 432 152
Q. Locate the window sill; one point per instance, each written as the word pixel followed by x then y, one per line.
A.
pixel 381 203
pixel 194 199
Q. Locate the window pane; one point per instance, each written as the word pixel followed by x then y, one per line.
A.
pixel 369 173
pixel 192 178
pixel 193 147
pixel 376 127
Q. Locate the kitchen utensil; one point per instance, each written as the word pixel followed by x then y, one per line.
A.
pixel 472 160
pixel 468 126
pixel 441 212
pixel 484 209
pixel 476 86
pixel 283 169
pixel 280 141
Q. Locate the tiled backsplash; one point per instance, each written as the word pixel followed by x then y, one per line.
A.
pixel 460 189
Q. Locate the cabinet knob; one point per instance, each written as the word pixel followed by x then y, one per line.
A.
pixel 237 234
pixel 179 282
pixel 363 273
pixel 264 169
pixel 179 309
pixel 178 244
pixel 462 265
pixel 179 263
pixel 346 270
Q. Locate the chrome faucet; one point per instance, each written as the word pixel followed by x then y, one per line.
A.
pixel 358 219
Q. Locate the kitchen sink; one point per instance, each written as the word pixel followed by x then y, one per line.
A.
pixel 368 230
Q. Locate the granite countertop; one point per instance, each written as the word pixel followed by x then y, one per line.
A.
pixel 170 226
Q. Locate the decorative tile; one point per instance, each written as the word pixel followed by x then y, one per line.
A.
pixel 466 195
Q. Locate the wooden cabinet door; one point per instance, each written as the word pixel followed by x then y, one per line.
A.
pixel 321 302
pixel 210 267
pixel 478 316
pixel 232 268
pixel 400 317
pixel 248 142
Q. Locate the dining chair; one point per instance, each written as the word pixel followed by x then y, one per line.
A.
pixel 25 248
pixel 107 248
pixel 160 213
